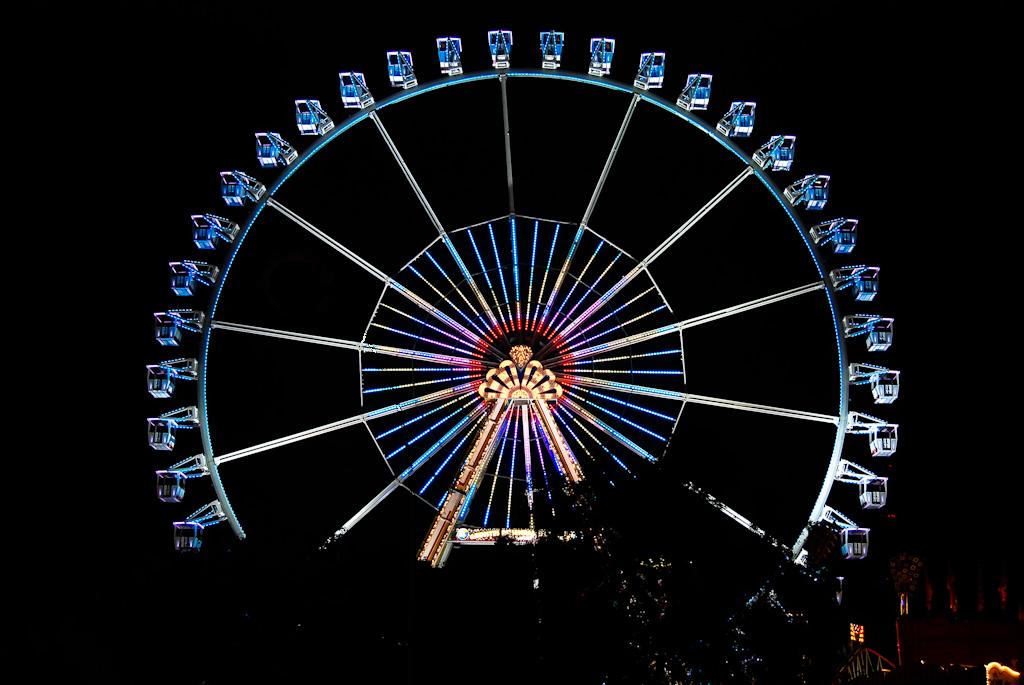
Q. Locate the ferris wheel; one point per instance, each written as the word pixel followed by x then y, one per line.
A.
pixel 513 359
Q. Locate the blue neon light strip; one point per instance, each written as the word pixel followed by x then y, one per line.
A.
pixel 423 369
pixel 436 447
pixel 618 416
pixel 631 405
pixel 416 438
pixel 511 475
pixel 428 340
pixel 611 454
pixel 605 318
pixel 533 259
pixel 540 457
pixel 461 294
pixel 445 298
pixel 497 468
pixel 568 260
pixel 593 288
pixel 575 283
pixel 544 281
pixel 623 325
pixel 370 391
pixel 501 272
pixel 422 322
pixel 465 505
pixel 445 463
pixel 487 278
pixel 418 417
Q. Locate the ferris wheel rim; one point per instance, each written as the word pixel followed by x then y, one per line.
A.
pixel 461 79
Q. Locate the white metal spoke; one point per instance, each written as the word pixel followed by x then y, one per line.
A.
pixel 527 459
pixel 736 516
pixel 430 213
pixel 328 240
pixel 634 389
pixel 593 201
pixel 400 480
pixel 389 282
pixel 629 388
pixel 658 251
pixel 611 158
pixel 691 323
pixel 760 408
pixel 345 344
pixel 508 142
pixel 344 423
pixel 562 273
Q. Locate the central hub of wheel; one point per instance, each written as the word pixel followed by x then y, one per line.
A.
pixel 520 354
pixel 521 383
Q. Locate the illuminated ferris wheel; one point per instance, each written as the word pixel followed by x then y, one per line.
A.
pixel 511 360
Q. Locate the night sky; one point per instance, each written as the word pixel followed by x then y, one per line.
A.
pixel 178 94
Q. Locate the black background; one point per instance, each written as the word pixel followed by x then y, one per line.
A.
pixel 882 102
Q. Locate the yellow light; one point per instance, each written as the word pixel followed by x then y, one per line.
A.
pixel 856 632
pixel 997 674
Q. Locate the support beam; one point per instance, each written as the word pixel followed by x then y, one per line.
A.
pixel 611 158
pixel 761 408
pixel 690 323
pixel 329 241
pixel 400 480
pixel 345 344
pixel 377 273
pixel 345 423
pixel 736 516
pixel 432 216
pixel 503 79
pixel 634 389
pixel 658 251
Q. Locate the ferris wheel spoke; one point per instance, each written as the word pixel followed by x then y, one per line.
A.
pixel 608 430
pixel 501 325
pixel 445 238
pixel 503 80
pixel 344 423
pixel 501 276
pixel 569 341
pixel 399 481
pixel 476 315
pixel 377 273
pixel 598 442
pixel 589 290
pixel 634 389
pixel 736 516
pixel 368 348
pixel 605 410
pixel 533 262
pixel 759 408
pixel 576 281
pixel 611 158
pixel 628 388
pixel 621 325
pixel 561 275
pixel 459 343
pixel 690 323
pixel 658 251
pixel 544 280
pixel 455 502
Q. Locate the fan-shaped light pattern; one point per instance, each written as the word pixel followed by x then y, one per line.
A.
pixel 541 428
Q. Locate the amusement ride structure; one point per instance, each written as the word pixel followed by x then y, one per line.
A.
pixel 520 356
